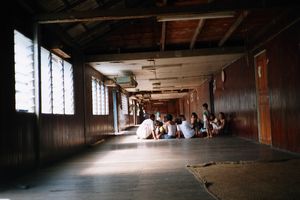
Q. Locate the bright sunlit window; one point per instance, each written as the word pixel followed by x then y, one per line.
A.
pixel 24 73
pixel 99 97
pixel 124 100
pixel 57 84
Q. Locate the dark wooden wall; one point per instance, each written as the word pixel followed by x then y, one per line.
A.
pixel 283 53
pixel 27 141
pixel 60 135
pixel 97 126
pixel 17 130
pixel 237 96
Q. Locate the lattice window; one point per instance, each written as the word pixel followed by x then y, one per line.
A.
pixel 57 84
pixel 24 73
pixel 99 97
pixel 124 100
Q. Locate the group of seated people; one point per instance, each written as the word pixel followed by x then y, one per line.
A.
pixel 180 127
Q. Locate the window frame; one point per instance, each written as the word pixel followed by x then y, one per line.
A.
pixel 100 97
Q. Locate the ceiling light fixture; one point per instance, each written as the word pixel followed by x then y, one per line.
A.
pixel 196 16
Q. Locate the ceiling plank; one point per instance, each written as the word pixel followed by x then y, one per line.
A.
pixel 138 13
pixel 197 32
pixel 164 54
pixel 233 27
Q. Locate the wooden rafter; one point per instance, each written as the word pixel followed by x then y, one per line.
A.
pixel 197 32
pixel 165 54
pixel 233 27
pixel 138 13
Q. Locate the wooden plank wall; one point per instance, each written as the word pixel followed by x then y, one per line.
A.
pixel 60 135
pixel 283 53
pixel 164 107
pixel 23 144
pixel 238 98
pixel 97 126
pixel 17 130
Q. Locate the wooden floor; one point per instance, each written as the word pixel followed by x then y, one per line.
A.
pixel 126 168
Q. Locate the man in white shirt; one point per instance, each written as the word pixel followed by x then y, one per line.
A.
pixel 186 128
pixel 146 129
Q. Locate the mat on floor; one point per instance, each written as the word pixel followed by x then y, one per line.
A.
pixel 250 179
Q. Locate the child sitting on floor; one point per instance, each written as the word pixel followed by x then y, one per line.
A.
pixel 159 129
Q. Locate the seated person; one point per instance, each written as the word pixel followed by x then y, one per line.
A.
pixel 195 123
pixel 178 122
pixel 159 129
pixel 146 128
pixel 214 122
pixel 170 128
pixel 186 128
pixel 219 125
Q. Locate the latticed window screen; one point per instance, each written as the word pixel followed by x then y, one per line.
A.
pixel 99 97
pixel 69 88
pixel 95 96
pixel 57 84
pixel 106 101
pixel 102 99
pixel 124 100
pixel 46 76
pixel 24 73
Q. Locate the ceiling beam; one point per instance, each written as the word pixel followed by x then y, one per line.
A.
pixel 233 27
pixel 138 13
pixel 164 54
pixel 197 31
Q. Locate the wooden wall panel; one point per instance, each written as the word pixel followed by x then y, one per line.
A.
pixel 61 135
pixel 236 97
pixel 17 130
pixel 164 107
pixel 97 126
pixel 283 53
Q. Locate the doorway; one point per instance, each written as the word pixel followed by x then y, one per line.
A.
pixel 263 98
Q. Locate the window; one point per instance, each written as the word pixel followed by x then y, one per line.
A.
pixel 99 97
pixel 24 73
pixel 131 107
pixel 57 84
pixel 106 101
pixel 69 88
pixel 124 100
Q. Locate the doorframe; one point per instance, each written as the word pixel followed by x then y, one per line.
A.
pixel 257 95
